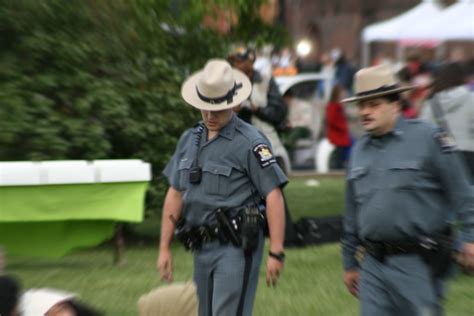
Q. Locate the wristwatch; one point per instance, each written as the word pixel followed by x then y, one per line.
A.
pixel 280 256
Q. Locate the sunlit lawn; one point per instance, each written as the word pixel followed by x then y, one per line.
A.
pixel 311 283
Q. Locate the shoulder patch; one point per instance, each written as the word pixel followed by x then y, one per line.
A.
pixel 264 155
pixel 445 141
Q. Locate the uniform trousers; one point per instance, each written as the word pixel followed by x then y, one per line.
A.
pixel 400 285
pixel 226 279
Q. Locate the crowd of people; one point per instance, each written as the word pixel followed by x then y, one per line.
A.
pixel 449 83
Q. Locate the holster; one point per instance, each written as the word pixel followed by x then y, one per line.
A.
pixel 241 229
pixel 192 237
pixel 251 225
pixel 437 252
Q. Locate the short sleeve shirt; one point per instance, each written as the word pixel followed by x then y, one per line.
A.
pixel 238 168
pixel 405 183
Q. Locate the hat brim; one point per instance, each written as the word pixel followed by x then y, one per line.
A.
pixel 377 94
pixel 189 92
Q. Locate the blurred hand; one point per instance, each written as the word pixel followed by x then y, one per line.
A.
pixel 165 265
pixel 466 257
pixel 274 269
pixel 351 280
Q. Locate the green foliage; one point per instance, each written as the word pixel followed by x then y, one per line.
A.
pixel 95 79
pixel 251 28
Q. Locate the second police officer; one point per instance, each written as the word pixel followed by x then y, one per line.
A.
pixel 404 178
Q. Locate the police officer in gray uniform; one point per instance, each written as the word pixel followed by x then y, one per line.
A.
pixel 217 175
pixel 404 177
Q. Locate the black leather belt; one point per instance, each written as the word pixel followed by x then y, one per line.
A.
pixel 380 250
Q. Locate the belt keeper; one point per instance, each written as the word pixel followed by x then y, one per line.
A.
pixel 280 256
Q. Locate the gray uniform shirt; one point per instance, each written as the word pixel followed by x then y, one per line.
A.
pixel 403 185
pixel 237 169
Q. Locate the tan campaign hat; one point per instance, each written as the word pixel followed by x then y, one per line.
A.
pixel 376 81
pixel 216 87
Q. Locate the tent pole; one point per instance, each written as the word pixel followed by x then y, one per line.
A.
pixel 440 51
pixel 400 52
pixel 365 54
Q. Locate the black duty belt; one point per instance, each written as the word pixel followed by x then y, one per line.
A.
pixel 435 250
pixel 239 226
pixel 380 250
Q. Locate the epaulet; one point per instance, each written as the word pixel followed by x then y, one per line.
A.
pixel 246 129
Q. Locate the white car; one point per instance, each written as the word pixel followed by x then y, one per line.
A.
pixel 306 95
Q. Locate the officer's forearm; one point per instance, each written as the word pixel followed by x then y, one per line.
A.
pixel 171 212
pixel 276 219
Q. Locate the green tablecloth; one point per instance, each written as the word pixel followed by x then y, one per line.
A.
pixel 51 220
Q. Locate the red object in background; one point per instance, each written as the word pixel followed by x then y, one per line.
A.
pixel 410 113
pixel 337 129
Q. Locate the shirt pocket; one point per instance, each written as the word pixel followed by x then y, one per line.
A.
pixel 216 178
pixel 184 167
pixel 403 175
pixel 359 176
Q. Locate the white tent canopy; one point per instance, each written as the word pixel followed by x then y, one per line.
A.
pixel 400 27
pixel 454 23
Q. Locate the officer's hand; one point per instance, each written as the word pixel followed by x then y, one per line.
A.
pixel 466 257
pixel 274 269
pixel 165 265
pixel 351 280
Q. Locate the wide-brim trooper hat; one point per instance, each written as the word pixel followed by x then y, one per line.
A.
pixel 216 87
pixel 376 81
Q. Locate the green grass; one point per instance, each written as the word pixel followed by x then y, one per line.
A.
pixel 310 285
pixel 327 198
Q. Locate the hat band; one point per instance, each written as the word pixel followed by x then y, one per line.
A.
pixel 229 96
pixel 378 90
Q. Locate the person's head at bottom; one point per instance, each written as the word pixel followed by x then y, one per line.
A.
pixel 52 302
pixel 178 299
pixel 9 296
pixel 215 91
pixel 378 99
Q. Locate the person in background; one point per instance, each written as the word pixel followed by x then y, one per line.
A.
pixel 344 71
pixel 53 302
pixel 266 110
pixel 470 74
pixel 337 130
pixel 9 296
pixel 178 299
pixel 404 177
pixel 451 106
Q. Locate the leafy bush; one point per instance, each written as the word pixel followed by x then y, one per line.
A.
pixel 95 79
